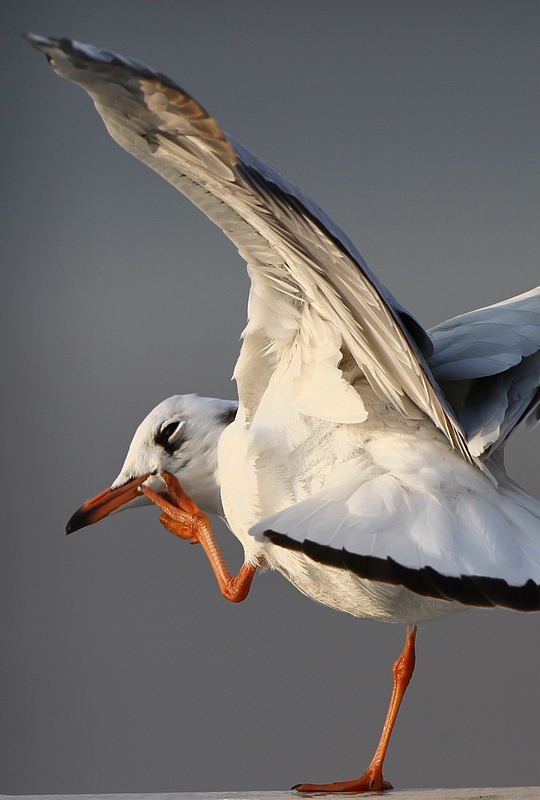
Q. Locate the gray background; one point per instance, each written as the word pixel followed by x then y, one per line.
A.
pixel 415 125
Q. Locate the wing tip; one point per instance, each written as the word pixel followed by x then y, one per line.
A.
pixel 86 54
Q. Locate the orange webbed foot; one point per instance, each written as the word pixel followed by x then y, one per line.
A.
pixel 180 514
pixel 368 782
pixel 179 529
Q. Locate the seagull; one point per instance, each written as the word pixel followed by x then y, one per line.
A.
pixel 364 457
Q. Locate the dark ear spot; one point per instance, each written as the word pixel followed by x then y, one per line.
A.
pixel 171 436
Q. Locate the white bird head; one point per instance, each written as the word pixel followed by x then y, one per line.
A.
pixel 179 436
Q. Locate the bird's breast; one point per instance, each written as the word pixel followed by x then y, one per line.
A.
pixel 267 466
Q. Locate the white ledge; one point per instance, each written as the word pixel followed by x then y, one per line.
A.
pixel 504 793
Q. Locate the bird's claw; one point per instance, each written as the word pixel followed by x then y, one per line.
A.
pixel 179 511
pixel 180 529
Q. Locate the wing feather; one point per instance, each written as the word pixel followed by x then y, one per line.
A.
pixel 276 228
pixel 467 541
pixel 488 362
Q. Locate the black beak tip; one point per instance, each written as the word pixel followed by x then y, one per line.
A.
pixel 76 522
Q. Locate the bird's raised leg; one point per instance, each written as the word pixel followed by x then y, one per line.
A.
pixel 372 779
pixel 185 519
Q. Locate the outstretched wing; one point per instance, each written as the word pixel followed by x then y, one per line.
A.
pixel 286 239
pixel 488 363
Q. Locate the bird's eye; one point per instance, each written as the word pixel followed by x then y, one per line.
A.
pixel 169 429
pixel 170 435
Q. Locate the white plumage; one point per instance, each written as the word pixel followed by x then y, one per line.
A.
pixel 364 461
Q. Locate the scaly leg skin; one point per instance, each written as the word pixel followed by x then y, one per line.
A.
pixel 185 519
pixel 372 779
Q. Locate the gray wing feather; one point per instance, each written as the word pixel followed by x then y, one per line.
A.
pixel 271 222
pixel 488 364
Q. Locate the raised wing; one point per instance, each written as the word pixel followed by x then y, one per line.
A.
pixel 282 234
pixel 488 364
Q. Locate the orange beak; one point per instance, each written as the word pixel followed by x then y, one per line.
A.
pixel 102 504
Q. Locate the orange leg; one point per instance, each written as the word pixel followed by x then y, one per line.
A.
pixel 372 779
pixel 183 518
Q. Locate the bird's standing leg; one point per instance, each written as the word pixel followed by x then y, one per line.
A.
pixel 372 779
pixel 185 519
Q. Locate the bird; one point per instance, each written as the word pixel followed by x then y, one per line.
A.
pixel 363 458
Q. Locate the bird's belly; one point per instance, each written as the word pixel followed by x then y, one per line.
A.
pixel 258 482
pixel 344 591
